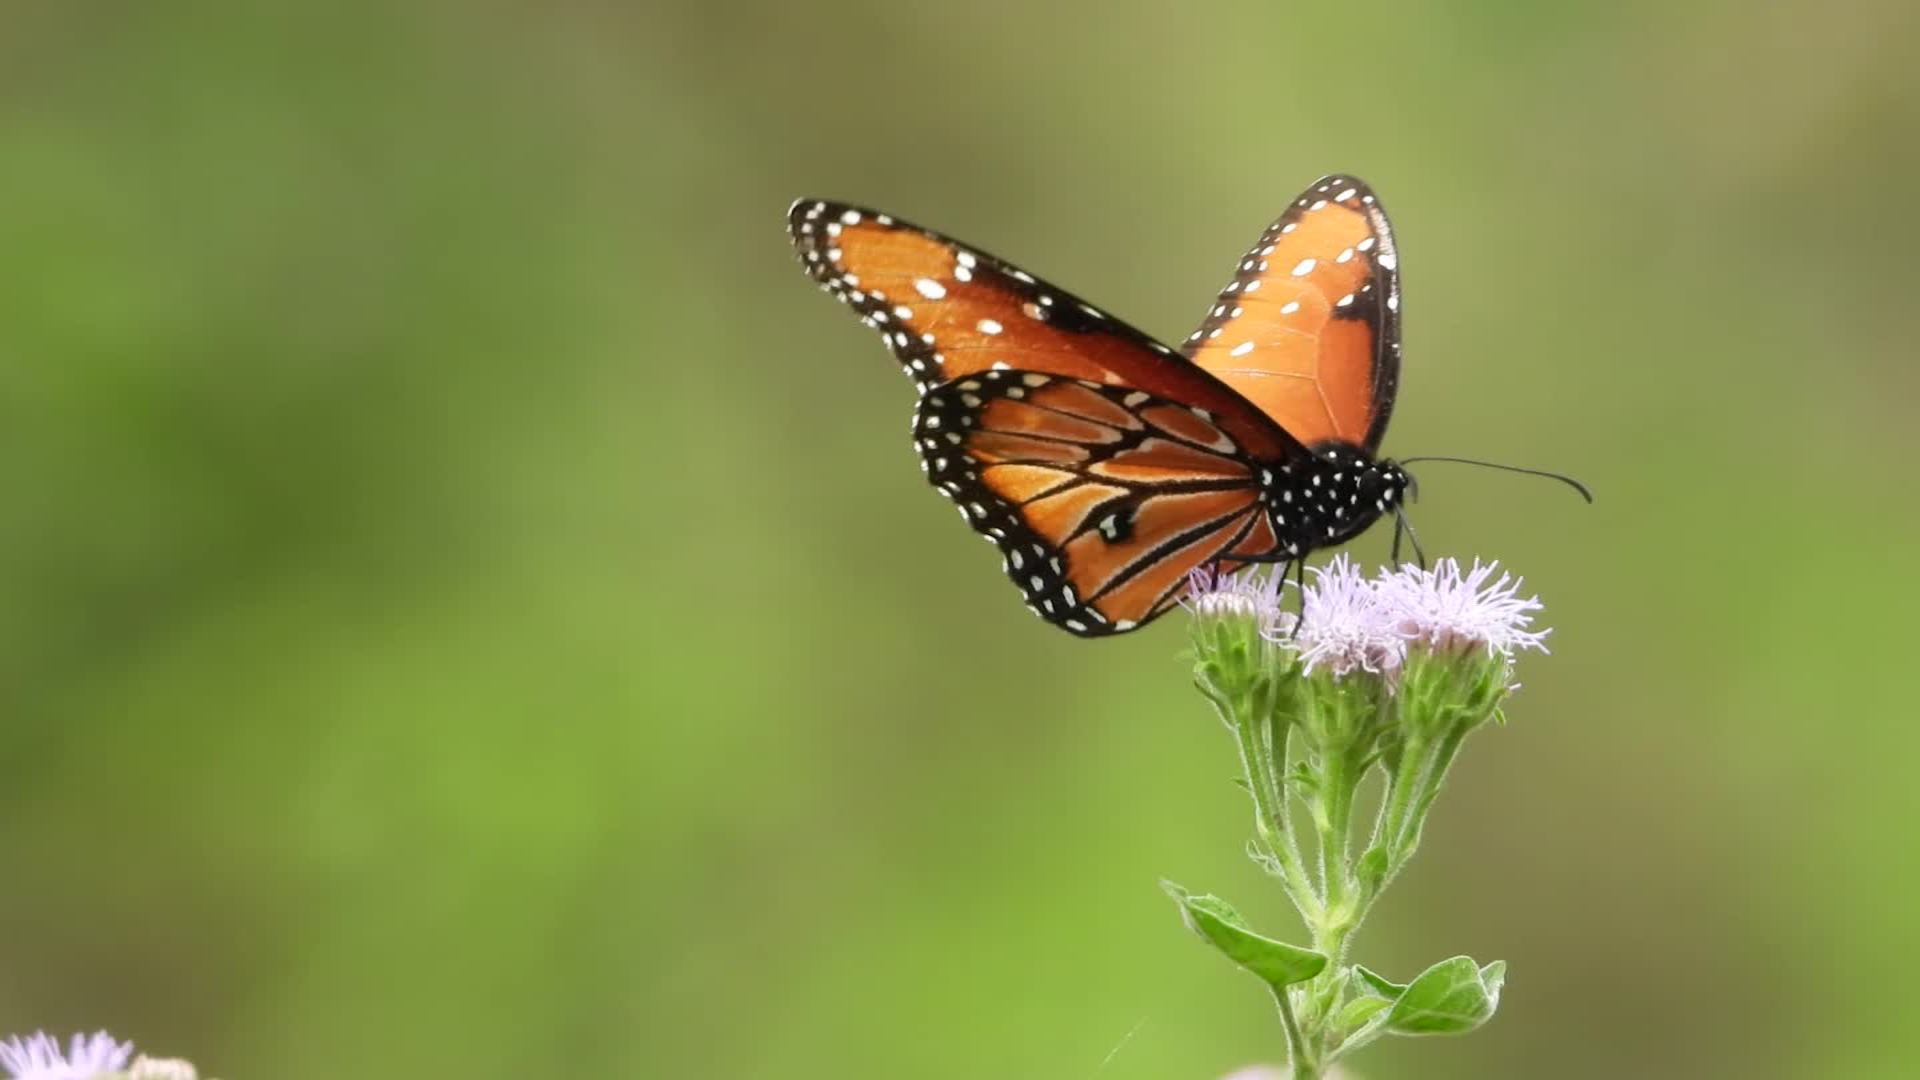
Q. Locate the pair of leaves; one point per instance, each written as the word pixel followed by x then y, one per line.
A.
pixel 1218 924
pixel 1450 998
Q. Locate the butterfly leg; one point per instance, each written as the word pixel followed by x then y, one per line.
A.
pixel 1400 523
pixel 1299 568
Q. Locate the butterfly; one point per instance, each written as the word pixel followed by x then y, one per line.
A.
pixel 1105 465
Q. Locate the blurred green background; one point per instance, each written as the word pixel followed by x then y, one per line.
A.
pixel 471 608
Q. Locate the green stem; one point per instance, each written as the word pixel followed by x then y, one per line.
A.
pixel 1278 741
pixel 1337 779
pixel 1336 792
pixel 1402 795
pixel 1269 811
pixel 1431 774
pixel 1305 1065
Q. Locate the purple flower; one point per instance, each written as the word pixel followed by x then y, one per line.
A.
pixel 147 1068
pixel 1247 595
pixel 38 1057
pixel 1451 611
pixel 1343 627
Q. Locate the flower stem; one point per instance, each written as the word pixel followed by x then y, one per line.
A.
pixel 1403 793
pixel 1270 819
pixel 1305 1065
pixel 1335 816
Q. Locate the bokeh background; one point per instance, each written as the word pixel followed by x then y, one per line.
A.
pixel 471 610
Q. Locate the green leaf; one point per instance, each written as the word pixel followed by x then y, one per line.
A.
pixel 1450 998
pixel 1372 868
pixel 1360 1010
pixel 1215 920
pixel 1379 984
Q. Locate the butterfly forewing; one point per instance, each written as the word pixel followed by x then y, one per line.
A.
pixel 1308 330
pixel 1100 498
pixel 947 311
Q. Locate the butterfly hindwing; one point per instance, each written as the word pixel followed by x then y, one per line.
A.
pixel 1100 498
pixel 1309 328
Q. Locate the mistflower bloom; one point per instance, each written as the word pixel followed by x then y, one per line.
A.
pixel 38 1057
pixel 1454 612
pixel 1343 627
pixel 1250 595
pixel 147 1068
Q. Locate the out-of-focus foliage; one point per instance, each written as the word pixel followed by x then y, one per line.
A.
pixel 471 609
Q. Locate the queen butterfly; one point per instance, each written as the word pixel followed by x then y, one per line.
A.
pixel 1105 465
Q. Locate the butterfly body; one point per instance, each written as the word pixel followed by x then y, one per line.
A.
pixel 1105 465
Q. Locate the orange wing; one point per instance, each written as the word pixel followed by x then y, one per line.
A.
pixel 1100 498
pixel 1309 328
pixel 947 312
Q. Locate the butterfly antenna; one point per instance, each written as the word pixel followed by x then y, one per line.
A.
pixel 1401 524
pixel 1576 485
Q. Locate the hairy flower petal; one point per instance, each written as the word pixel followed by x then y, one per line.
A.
pixel 1249 594
pixel 1450 610
pixel 38 1057
pixel 1343 627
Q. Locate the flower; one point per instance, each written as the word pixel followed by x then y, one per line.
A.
pixel 38 1057
pixel 1250 595
pixel 1270 1073
pixel 1343 626
pixel 1453 612
pixel 148 1068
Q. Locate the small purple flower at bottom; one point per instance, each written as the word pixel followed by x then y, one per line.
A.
pixel 1451 611
pixel 38 1057
pixel 1270 1073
